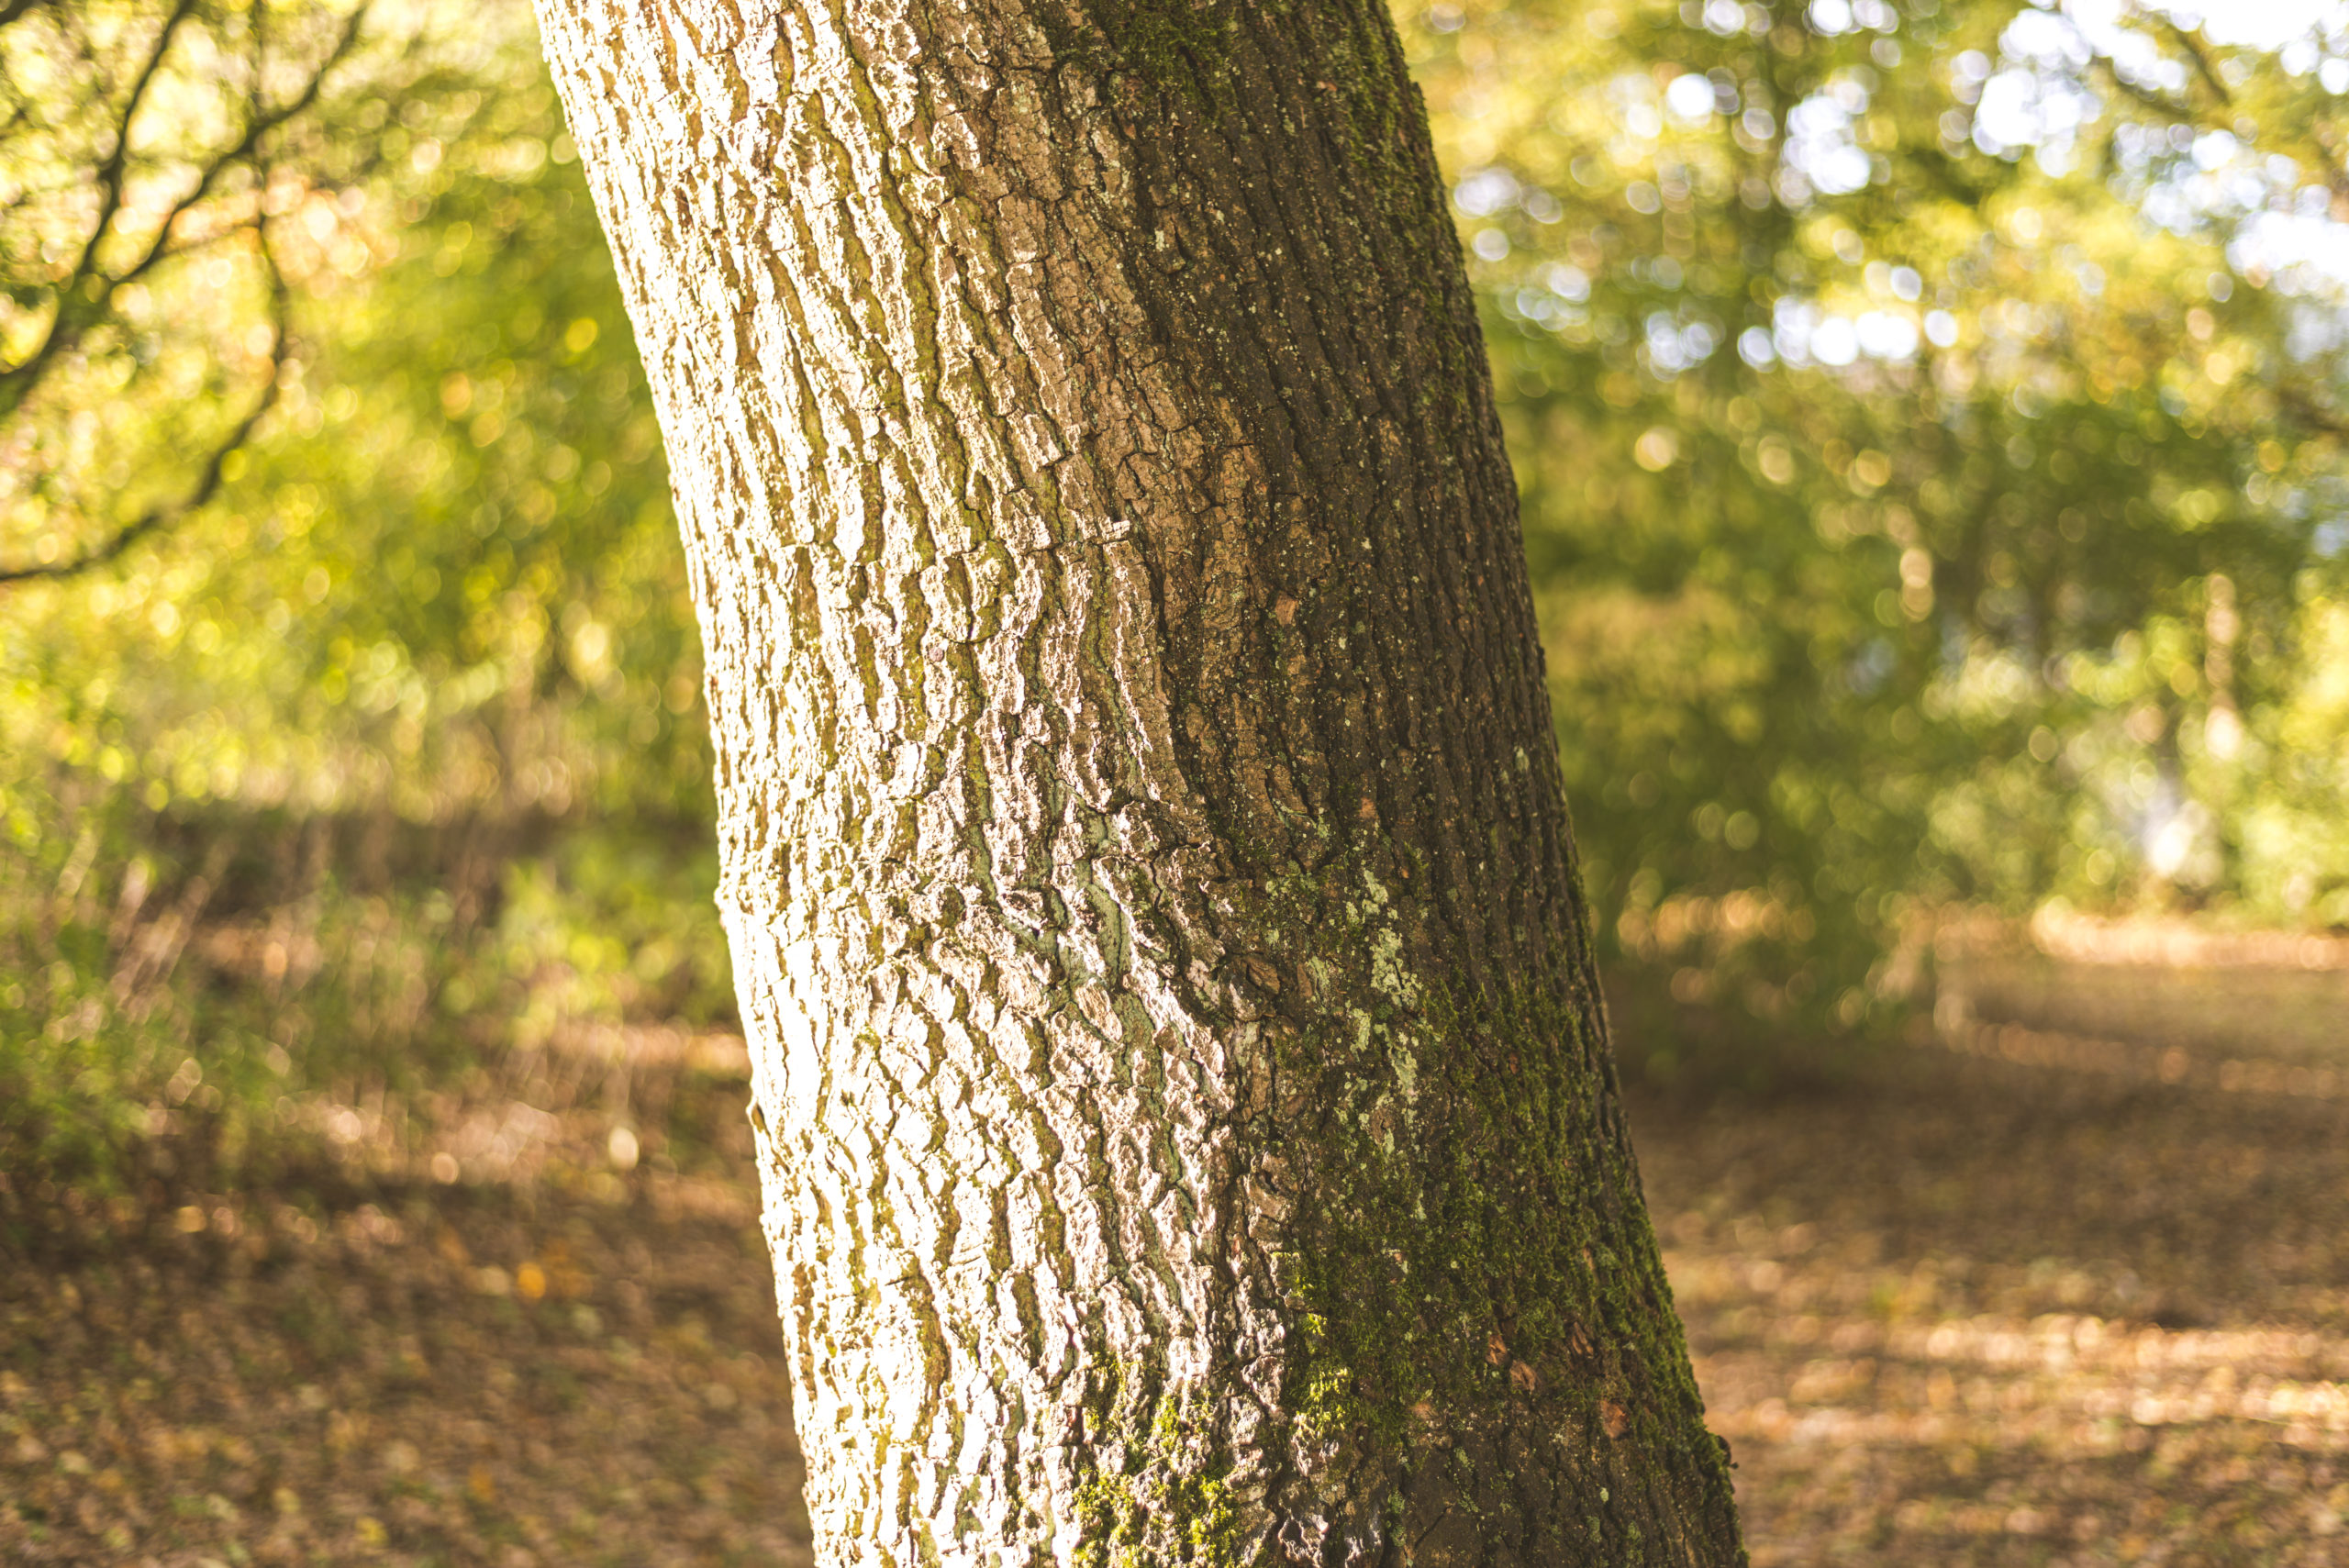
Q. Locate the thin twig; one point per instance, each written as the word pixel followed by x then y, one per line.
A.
pixel 17 381
pixel 16 384
pixel 208 483
pixel 2190 39
pixel 260 122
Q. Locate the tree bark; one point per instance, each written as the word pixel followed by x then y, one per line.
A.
pixel 1186 1115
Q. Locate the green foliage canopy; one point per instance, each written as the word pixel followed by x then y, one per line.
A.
pixel 1927 420
pixel 314 747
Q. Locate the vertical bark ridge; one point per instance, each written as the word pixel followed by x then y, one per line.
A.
pixel 1185 1111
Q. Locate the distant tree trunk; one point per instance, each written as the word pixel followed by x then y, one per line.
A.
pixel 1189 1126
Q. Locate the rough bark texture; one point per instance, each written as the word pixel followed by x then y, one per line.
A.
pixel 1188 1116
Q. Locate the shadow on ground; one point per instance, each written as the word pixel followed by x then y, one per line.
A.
pixel 578 1372
pixel 2004 1298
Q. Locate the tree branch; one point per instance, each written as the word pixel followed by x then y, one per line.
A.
pixel 2149 98
pixel 208 483
pixel 2190 39
pixel 2297 403
pixel 18 379
pixel 17 383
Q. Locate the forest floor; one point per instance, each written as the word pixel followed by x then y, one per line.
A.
pixel 2010 1295
pixel 2023 1295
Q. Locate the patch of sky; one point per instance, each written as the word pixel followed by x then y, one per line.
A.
pixel 1485 192
pixel 1691 98
pixel 2036 98
pixel 1633 97
pixel 1568 283
pixel 1802 333
pixel 1835 17
pixel 1820 151
pixel 1674 344
pixel 1727 19
pixel 1886 335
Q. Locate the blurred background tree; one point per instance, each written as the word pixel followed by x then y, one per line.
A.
pixel 1927 420
pixel 384 768
pixel 1928 426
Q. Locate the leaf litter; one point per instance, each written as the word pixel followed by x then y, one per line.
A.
pixel 575 1370
pixel 1998 1299
pixel 1987 1300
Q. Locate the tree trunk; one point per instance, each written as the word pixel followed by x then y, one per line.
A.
pixel 1187 1122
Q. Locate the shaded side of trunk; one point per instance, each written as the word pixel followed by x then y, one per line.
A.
pixel 1189 1128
